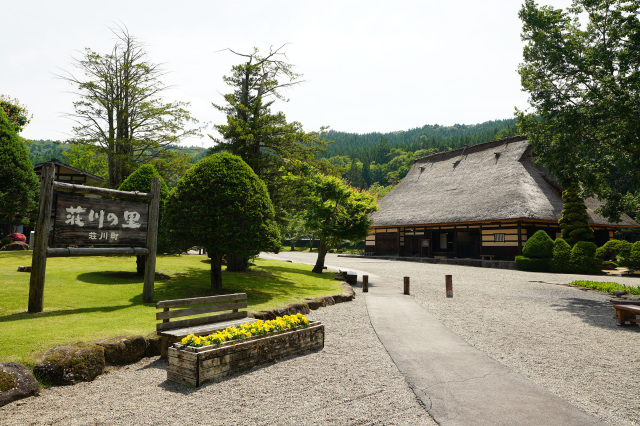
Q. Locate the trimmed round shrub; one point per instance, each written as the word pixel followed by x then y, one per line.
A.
pixel 16 245
pixel 140 180
pixel 540 245
pixel 583 258
pixel 634 257
pixel 561 260
pixel 532 264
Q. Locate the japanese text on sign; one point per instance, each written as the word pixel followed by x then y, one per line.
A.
pixel 89 221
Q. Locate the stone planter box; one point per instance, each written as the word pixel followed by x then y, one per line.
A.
pixel 196 366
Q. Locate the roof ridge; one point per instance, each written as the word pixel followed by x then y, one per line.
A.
pixel 471 148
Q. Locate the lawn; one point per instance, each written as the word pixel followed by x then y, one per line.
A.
pixel 90 298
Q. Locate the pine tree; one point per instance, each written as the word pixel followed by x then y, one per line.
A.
pixel 574 222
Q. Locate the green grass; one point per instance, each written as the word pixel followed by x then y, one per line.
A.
pixel 607 287
pixel 90 298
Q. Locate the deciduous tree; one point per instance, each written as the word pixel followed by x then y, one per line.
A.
pixel 582 71
pixel 18 182
pixel 336 211
pixel 17 114
pixel 120 111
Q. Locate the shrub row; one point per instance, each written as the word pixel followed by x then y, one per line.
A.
pixel 542 254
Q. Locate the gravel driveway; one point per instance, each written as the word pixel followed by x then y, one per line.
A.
pixel 563 338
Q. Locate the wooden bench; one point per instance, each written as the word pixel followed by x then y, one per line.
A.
pixel 487 256
pixel 626 310
pixel 174 331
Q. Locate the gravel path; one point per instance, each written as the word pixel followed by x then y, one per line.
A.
pixel 563 338
pixel 351 381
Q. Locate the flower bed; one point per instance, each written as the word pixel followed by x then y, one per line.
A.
pixel 201 359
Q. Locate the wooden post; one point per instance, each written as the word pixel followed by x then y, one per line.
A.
pixel 152 242
pixel 365 283
pixel 39 256
pixel 449 285
pixel 406 285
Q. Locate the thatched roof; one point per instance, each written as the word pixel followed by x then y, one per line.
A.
pixel 491 181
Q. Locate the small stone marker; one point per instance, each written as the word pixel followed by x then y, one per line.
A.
pixel 406 285
pixel 365 283
pixel 449 285
pixel 24 268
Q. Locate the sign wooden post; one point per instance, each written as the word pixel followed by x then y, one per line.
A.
pixel 39 256
pixel 85 221
pixel 152 242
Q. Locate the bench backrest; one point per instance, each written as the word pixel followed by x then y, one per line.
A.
pixel 200 305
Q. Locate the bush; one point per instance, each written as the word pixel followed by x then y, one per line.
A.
pixel 16 245
pixel 561 260
pixel 634 257
pixel 5 241
pixel 583 258
pixel 532 264
pixel 616 250
pixel 17 237
pixel 540 245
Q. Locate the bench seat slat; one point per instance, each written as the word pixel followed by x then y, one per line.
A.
pixel 200 310
pixel 625 302
pixel 200 320
pixel 204 329
pixel 630 308
pixel 201 300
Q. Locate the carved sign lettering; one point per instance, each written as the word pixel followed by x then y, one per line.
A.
pixel 85 221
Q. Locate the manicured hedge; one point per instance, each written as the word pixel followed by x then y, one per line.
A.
pixel 561 260
pixel 532 264
pixel 583 258
pixel 615 250
pixel 634 256
pixel 540 245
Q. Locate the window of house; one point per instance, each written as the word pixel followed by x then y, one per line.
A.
pixel 498 238
pixel 443 241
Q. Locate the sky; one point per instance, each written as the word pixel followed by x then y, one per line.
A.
pixel 368 66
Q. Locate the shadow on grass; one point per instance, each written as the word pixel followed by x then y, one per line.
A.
pixel 593 312
pixel 117 277
pixel 262 284
pixel 19 316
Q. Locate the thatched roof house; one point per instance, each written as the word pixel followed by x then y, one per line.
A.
pixel 482 200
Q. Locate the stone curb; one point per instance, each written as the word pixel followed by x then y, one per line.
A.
pixel 113 348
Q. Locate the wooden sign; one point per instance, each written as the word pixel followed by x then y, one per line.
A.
pixel 84 221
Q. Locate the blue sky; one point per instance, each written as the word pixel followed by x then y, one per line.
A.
pixel 368 65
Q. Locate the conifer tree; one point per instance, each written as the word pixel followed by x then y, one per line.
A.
pixel 574 222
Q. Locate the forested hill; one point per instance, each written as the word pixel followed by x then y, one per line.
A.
pixel 436 137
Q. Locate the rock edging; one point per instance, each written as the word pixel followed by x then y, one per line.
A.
pixel 83 362
pixel 308 305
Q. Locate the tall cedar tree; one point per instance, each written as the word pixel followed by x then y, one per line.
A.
pixel 120 111
pixel 574 223
pixel 583 84
pixel 261 138
pixel 19 187
pixel 222 205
